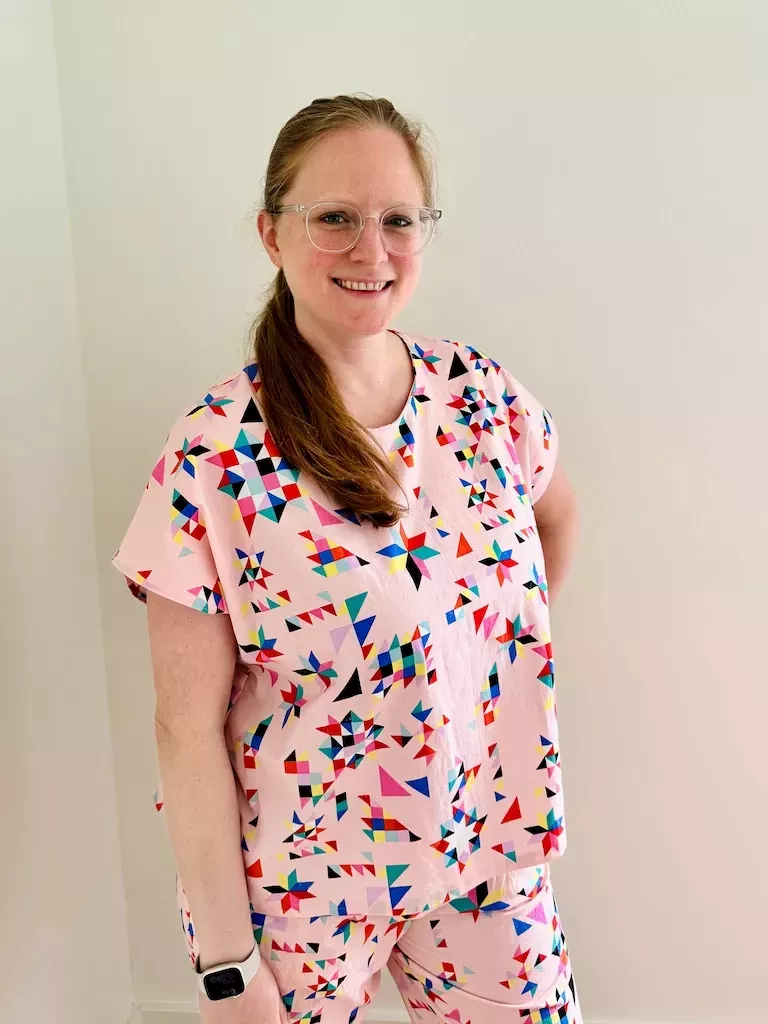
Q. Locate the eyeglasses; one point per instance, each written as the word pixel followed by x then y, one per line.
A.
pixel 337 227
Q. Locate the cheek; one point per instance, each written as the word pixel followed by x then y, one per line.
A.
pixel 408 272
pixel 319 265
pixel 307 273
pixel 316 270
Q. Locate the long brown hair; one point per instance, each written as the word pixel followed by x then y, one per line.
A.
pixel 303 409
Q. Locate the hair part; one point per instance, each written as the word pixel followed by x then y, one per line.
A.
pixel 303 408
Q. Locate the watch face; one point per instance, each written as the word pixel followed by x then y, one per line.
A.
pixel 223 984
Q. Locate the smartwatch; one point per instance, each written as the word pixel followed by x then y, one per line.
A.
pixel 226 980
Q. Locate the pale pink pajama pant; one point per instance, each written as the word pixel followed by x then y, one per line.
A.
pixel 506 962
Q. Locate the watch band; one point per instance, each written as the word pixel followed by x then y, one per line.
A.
pixel 223 981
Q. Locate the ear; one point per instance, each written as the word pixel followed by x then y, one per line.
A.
pixel 267 226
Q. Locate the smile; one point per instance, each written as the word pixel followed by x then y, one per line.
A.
pixel 361 287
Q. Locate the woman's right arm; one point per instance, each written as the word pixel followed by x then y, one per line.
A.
pixel 193 660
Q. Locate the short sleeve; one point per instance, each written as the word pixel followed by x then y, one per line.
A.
pixel 167 548
pixel 534 434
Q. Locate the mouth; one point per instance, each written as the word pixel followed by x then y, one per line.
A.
pixel 363 289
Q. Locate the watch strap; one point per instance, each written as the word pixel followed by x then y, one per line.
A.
pixel 247 968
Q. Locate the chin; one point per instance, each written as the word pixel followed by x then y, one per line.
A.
pixel 362 321
pixel 366 320
pixel 373 317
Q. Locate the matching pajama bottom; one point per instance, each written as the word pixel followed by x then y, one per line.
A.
pixel 496 955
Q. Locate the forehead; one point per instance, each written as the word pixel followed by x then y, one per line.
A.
pixel 372 168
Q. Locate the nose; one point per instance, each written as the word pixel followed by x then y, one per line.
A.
pixel 369 247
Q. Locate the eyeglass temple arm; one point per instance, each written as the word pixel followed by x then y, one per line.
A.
pixel 300 207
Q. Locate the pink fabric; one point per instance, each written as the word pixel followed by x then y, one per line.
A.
pixel 392 720
pixel 497 955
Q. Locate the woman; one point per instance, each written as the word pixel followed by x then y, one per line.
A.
pixel 358 740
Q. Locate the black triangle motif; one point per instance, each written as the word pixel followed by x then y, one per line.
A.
pixel 252 414
pixel 352 688
pixel 458 369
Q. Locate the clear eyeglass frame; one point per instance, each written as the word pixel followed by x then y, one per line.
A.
pixel 306 208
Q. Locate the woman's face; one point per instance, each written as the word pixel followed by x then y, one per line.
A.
pixel 373 170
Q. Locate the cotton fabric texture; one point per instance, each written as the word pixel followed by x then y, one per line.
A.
pixel 496 955
pixel 392 719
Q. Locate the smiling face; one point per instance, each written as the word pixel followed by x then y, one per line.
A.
pixel 372 169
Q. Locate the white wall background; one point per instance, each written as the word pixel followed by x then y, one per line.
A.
pixel 603 169
pixel 64 955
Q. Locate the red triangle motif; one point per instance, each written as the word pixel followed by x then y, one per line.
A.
pixel 254 870
pixel 464 547
pixel 513 814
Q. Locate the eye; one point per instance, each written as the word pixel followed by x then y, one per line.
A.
pixel 327 218
pixel 404 222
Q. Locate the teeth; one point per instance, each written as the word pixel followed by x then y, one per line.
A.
pixel 358 286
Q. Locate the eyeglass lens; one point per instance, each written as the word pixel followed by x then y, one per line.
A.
pixel 336 226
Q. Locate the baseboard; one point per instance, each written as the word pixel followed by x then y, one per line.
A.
pixel 168 1013
pixel 186 1013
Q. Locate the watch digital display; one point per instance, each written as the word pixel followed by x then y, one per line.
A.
pixel 224 984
